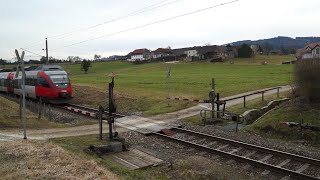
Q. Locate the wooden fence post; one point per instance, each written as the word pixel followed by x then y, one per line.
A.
pixel 40 108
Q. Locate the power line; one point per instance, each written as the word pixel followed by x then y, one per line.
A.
pixel 149 24
pixel 31 52
pixel 136 12
pixel 143 10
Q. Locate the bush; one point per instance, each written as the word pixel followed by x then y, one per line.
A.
pixel 307 79
pixel 245 51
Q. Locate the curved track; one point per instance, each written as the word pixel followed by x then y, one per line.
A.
pixel 288 164
pixel 86 111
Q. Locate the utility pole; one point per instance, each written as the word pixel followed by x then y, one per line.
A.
pixel 47 51
pixel 23 77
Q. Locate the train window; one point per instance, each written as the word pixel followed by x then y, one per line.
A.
pixel 15 83
pixel 60 81
pixel 42 82
pixel 34 82
pixel 30 82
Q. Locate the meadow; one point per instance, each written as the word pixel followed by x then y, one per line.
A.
pixel 188 79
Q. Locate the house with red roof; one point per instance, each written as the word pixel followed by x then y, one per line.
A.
pixel 140 55
pixel 162 52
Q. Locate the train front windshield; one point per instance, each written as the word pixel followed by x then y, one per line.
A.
pixel 60 81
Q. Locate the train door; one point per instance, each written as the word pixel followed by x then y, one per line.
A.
pixel 10 86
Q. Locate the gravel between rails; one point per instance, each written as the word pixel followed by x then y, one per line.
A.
pixel 256 139
pixel 170 152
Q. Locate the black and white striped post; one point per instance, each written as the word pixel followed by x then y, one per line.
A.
pixel 20 67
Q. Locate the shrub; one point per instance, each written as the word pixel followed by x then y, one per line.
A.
pixel 307 79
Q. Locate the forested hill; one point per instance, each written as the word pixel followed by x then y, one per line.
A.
pixel 282 42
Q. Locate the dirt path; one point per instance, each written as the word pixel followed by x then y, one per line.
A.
pixel 11 135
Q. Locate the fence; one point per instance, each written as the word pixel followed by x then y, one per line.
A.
pixel 39 108
pixel 254 93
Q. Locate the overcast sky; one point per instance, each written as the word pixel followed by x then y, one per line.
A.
pixel 26 24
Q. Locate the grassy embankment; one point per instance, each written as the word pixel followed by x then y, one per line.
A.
pixel 143 87
pixel 10 119
pixel 270 125
pixel 42 160
pixel 194 167
pixel 292 111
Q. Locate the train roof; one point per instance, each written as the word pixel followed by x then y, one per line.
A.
pixel 5 70
pixel 50 68
pixel 36 68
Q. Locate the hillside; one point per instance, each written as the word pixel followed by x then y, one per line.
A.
pixel 281 42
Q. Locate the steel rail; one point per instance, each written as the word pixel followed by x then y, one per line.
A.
pixel 296 157
pixel 263 165
pixel 93 109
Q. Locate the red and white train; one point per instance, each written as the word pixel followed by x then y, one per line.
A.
pixel 49 82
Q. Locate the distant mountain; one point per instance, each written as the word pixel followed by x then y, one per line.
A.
pixel 282 42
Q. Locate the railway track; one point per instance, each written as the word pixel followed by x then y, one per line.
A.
pixel 287 164
pixel 86 111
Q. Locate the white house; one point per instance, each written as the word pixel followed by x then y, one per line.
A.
pixel 310 51
pixel 140 55
pixel 316 51
pixel 192 53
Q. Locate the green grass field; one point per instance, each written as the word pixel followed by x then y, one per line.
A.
pixel 143 88
pixel 147 83
pixel 187 79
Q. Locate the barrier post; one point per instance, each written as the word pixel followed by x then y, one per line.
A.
pixel 218 105
pixel 100 121
pixel 212 102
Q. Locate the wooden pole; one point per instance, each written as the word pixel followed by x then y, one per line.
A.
pixel 40 108
pixel 49 109
pixel 218 105
pixel 100 121
pixel 212 103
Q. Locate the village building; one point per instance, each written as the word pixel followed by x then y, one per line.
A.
pixel 310 51
pixel 162 52
pixel 140 55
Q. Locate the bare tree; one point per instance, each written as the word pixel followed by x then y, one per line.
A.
pixel 70 59
pixel 96 57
